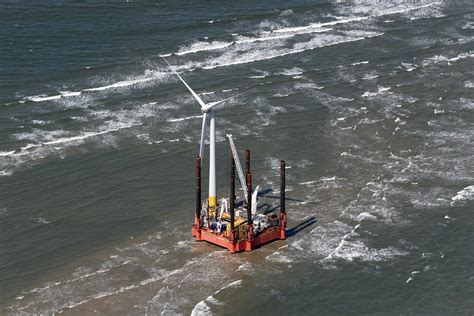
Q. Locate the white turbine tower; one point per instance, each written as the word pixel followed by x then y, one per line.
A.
pixel 208 109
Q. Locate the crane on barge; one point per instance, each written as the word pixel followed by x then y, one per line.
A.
pixel 224 224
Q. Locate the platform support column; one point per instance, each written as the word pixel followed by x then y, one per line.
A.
pixel 247 162
pixel 249 235
pixel 197 215
pixel 282 200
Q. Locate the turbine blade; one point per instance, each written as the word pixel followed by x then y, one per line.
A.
pixel 203 135
pixel 201 103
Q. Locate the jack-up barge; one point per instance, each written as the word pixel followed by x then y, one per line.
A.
pixel 225 224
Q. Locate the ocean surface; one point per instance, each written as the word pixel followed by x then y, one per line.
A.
pixel 371 104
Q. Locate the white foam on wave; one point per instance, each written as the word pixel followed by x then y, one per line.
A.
pixel 308 182
pixel 290 32
pixel 323 180
pixel 469 84
pixel 412 276
pixel 229 90
pixel 205 93
pixel 408 67
pixel 315 26
pixel 245 267
pixel 468 26
pixel 5 173
pixel 149 76
pixel 120 84
pixel 465 194
pixel 80 137
pixel 369 76
pixel 356 250
pixel 6 153
pixel 263 75
pixel 41 122
pixel 55 142
pixel 308 86
pixel 339 241
pixel 41 98
pixel 281 95
pixel 342 243
pixel 278 257
pixel 287 32
pixel 202 307
pixel 239 40
pixel 409 9
pixel 351 19
pixel 444 59
pixel 70 93
pixel 291 72
pixel 114 121
pixel 41 220
pixel 379 91
pixel 203 46
pixel 381 8
pixel 246 40
pixel 360 63
pixel 366 216
pixel 273 162
pixel 267 53
pixel 286 12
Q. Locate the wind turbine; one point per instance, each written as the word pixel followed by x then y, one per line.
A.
pixel 208 110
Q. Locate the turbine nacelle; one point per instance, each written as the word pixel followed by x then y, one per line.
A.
pixel 209 106
pixel 215 105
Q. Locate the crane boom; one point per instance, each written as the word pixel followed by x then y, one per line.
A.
pixel 243 183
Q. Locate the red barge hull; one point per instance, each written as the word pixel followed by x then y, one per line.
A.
pixel 248 243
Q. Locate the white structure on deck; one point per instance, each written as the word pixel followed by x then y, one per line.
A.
pixel 243 182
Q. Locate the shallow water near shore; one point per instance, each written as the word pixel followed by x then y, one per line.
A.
pixel 370 103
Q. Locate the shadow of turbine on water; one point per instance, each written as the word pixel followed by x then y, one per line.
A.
pixel 290 232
